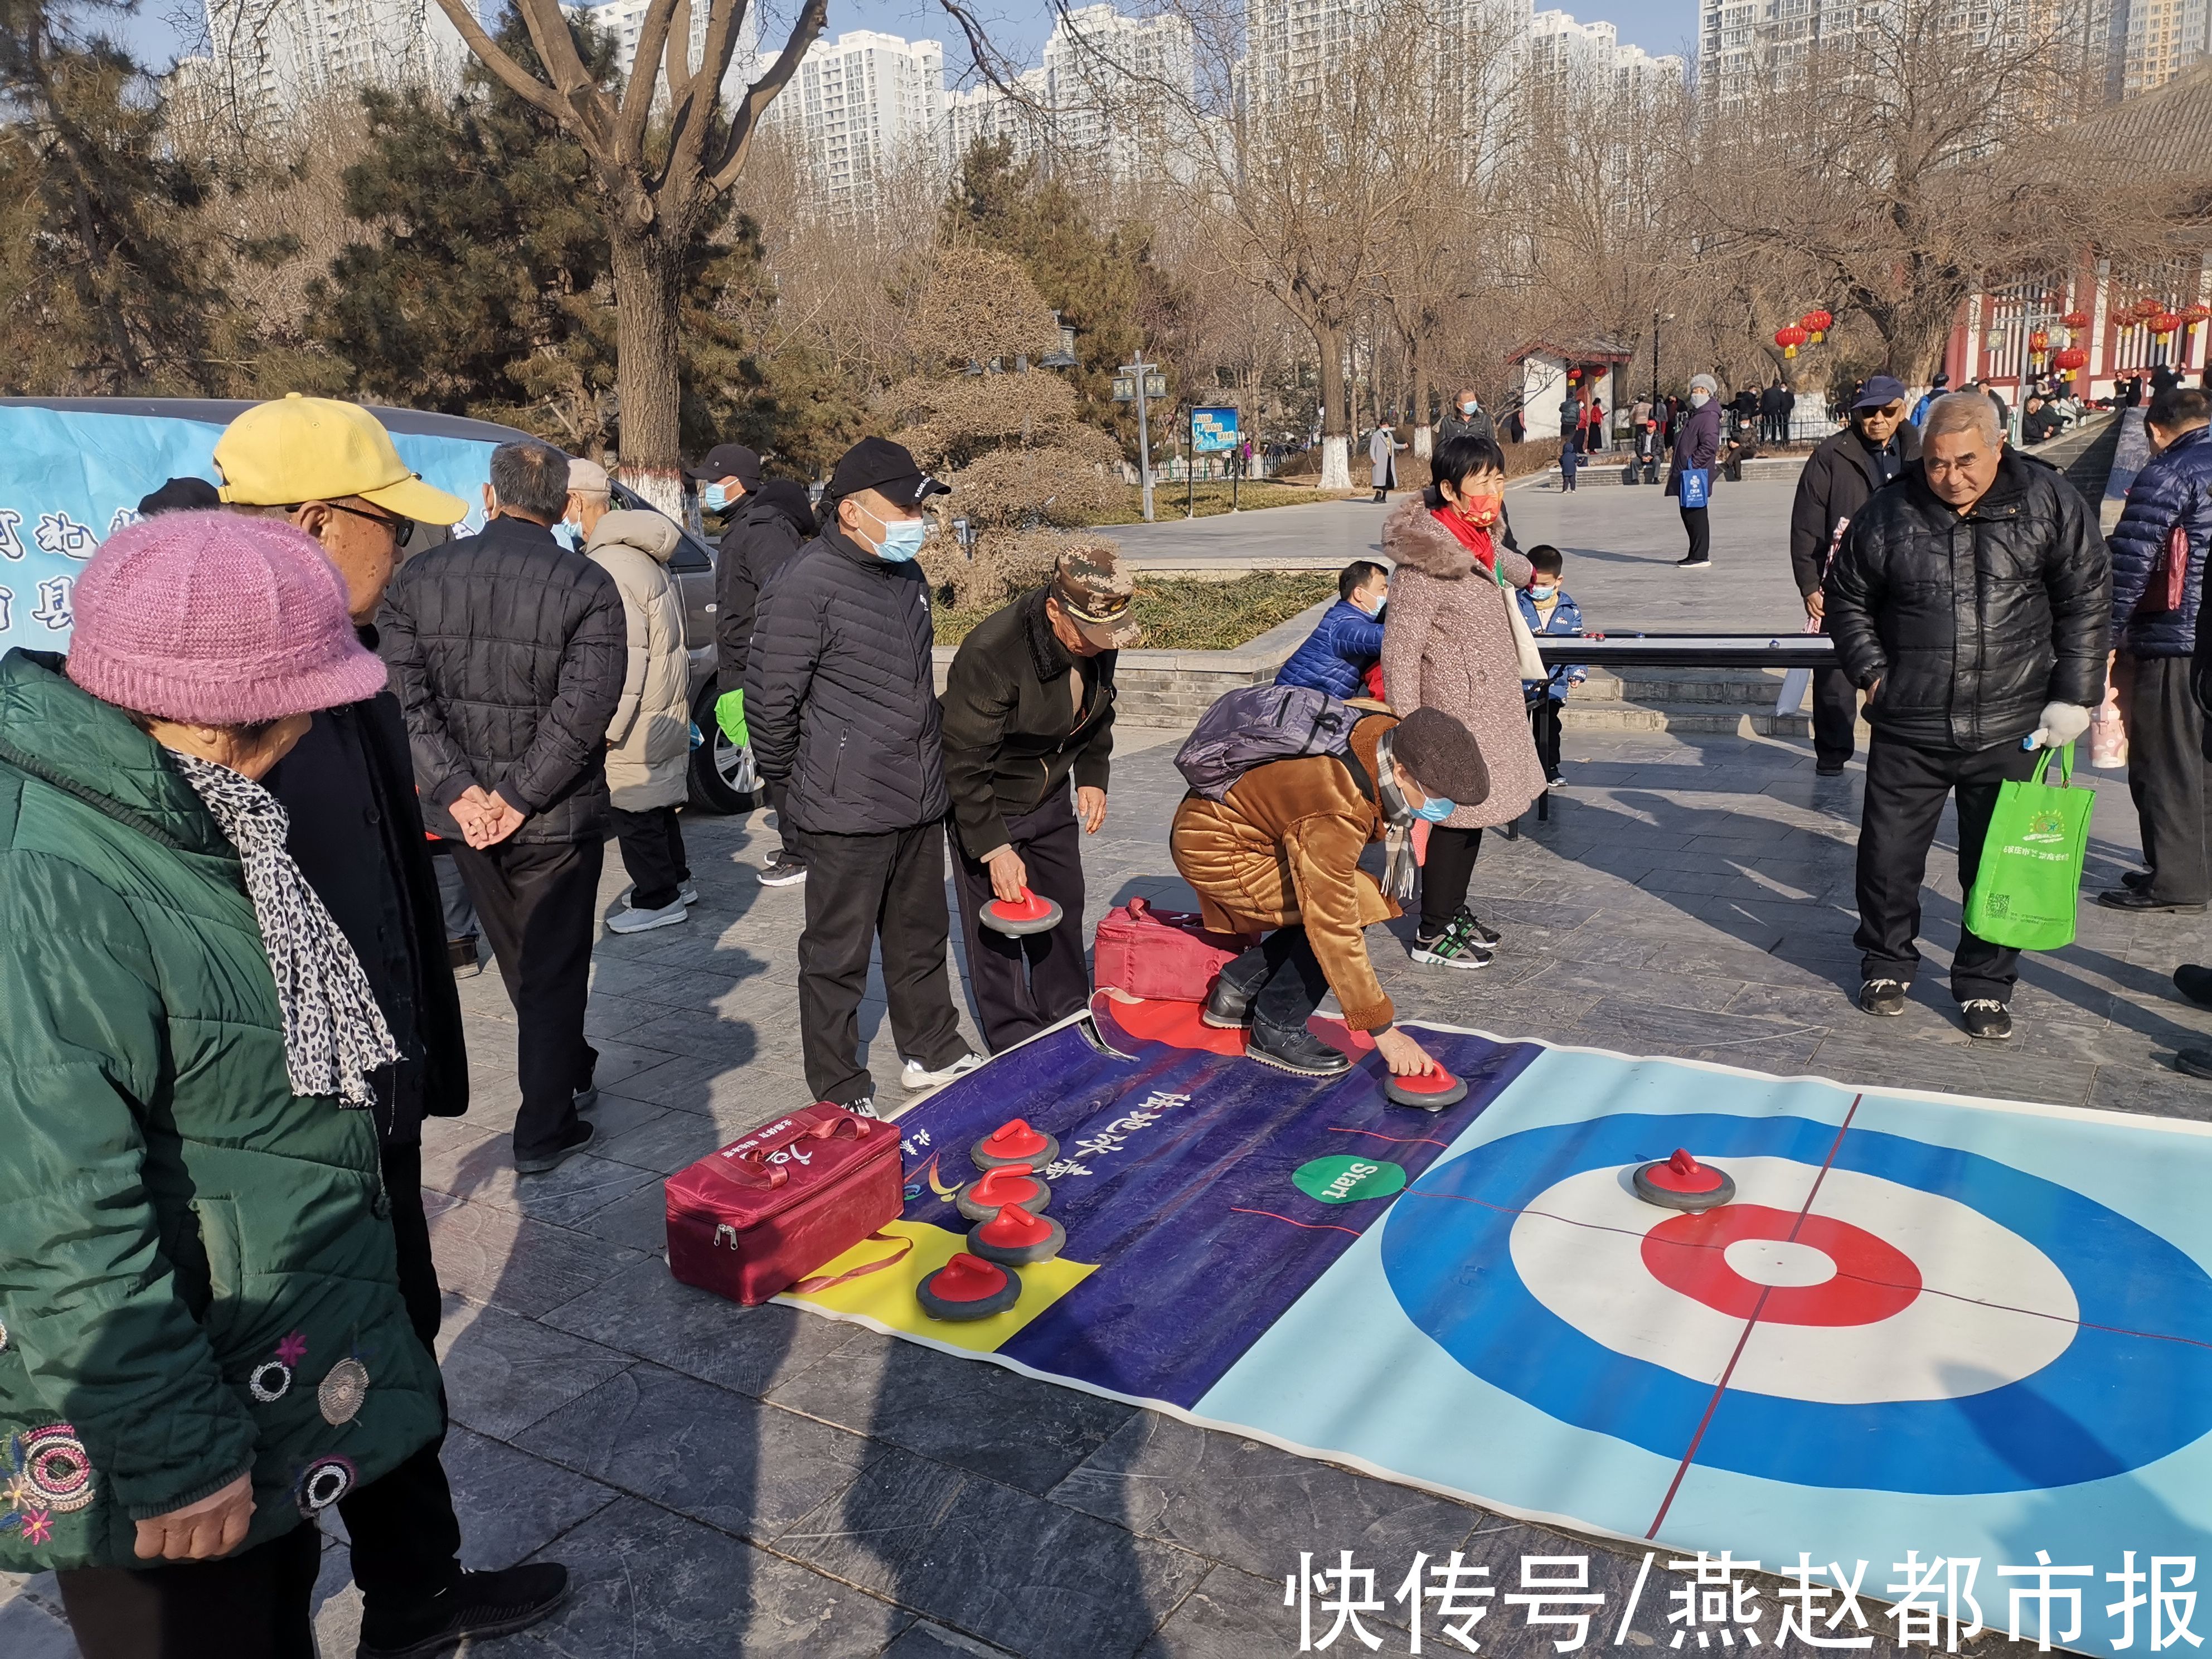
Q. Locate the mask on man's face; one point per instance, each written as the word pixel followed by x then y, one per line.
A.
pixel 569 536
pixel 1467 408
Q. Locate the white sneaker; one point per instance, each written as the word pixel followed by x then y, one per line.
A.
pixel 629 919
pixel 688 893
pixel 915 1077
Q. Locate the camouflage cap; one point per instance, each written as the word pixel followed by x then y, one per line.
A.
pixel 1095 591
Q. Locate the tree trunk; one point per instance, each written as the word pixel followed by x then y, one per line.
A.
pixel 648 273
pixel 1336 430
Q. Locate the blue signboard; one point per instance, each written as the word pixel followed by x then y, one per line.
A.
pixel 1214 429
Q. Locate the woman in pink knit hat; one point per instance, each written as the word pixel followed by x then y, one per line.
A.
pixel 205 1343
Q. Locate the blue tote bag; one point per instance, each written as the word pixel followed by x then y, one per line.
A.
pixel 1697 486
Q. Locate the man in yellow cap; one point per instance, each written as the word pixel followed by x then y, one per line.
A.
pixel 357 832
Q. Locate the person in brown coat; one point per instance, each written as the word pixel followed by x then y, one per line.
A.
pixel 1448 644
pixel 1280 851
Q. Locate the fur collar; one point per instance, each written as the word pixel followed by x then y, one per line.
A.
pixel 1413 540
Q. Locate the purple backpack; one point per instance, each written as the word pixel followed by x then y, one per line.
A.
pixel 1254 724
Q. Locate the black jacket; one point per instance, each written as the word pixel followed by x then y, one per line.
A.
pixel 1840 477
pixel 508 652
pixel 1973 622
pixel 758 542
pixel 1011 731
pixel 840 692
pixel 348 786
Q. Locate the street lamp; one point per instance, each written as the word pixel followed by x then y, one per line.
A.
pixel 1065 357
pixel 1139 382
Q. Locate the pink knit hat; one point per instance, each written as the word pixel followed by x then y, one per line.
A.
pixel 216 619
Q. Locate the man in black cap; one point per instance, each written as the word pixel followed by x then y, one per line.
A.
pixel 842 700
pixel 1840 476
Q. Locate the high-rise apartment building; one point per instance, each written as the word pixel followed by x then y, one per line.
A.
pixel 1119 91
pixel 270 58
pixel 2154 40
pixel 1020 116
pixel 625 19
pixel 859 106
pixel 1586 60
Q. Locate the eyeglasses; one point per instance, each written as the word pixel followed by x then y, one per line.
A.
pixel 401 528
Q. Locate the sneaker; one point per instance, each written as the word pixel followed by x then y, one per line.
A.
pixel 1987 1019
pixel 781 870
pixel 1824 769
pixel 1554 778
pixel 629 919
pixel 1693 564
pixel 540 1163
pixel 482 1604
pixel 1456 946
pixel 462 954
pixel 1485 935
pixel 1885 997
pixel 689 892
pixel 586 1097
pixel 1299 1051
pixel 915 1077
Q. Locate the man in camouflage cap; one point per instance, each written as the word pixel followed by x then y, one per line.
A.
pixel 1029 706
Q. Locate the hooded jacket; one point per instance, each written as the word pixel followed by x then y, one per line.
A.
pixel 1840 477
pixel 1973 622
pixel 649 739
pixel 776 523
pixel 2173 489
pixel 196 1271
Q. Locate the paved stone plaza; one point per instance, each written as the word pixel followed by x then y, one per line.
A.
pixel 727 1482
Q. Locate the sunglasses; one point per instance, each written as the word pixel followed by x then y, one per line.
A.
pixel 401 528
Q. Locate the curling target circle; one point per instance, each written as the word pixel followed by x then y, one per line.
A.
pixel 1960 1325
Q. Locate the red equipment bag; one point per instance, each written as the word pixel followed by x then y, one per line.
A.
pixel 1162 955
pixel 753 1219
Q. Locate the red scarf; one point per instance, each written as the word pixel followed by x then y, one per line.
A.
pixel 1475 541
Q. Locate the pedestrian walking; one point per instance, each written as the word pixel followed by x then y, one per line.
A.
pixel 1449 644
pixel 1383 447
pixel 844 715
pixel 2159 543
pixel 649 739
pixel 1840 477
pixel 1466 418
pixel 1029 747
pixel 188 1089
pixel 507 652
pixel 1972 603
pixel 1696 448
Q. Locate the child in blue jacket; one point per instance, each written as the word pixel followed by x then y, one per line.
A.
pixel 1547 608
pixel 1348 640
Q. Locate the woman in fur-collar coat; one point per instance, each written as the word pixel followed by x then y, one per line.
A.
pixel 1448 644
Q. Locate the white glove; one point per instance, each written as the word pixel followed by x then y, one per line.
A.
pixel 2062 722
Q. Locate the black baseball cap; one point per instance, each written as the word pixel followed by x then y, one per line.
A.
pixel 1879 392
pixel 727 461
pixel 889 469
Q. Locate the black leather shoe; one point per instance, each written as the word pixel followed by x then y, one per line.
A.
pixel 482 1604
pixel 1228 1005
pixel 2136 879
pixel 2136 898
pixel 2195 984
pixel 539 1163
pixel 1299 1051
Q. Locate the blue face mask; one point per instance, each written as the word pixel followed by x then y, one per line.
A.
pixel 902 538
pixel 715 498
pixel 569 536
pixel 1436 809
pixel 1540 594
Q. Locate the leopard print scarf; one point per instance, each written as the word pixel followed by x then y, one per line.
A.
pixel 334 1033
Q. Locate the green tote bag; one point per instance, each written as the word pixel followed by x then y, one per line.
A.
pixel 2030 883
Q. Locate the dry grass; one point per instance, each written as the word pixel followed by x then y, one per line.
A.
pixel 1169 499
pixel 1182 613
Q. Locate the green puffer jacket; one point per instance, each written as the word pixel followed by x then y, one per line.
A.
pixel 195 1273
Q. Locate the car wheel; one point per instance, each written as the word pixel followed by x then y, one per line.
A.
pixel 722 779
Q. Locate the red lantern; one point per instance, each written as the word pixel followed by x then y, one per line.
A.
pixel 1789 339
pixel 2192 315
pixel 1816 324
pixel 2039 342
pixel 2070 359
pixel 2164 323
pixel 2149 310
pixel 2075 320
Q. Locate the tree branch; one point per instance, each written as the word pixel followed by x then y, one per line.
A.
pixel 512 76
pixel 637 97
pixel 806 30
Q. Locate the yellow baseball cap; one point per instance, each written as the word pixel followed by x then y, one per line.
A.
pixel 297 449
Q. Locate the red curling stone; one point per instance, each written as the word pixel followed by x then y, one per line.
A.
pixel 1010 1183
pixel 1429 1092
pixel 1017 1237
pixel 1014 1142
pixel 1029 914
pixel 1681 1183
pixel 968 1287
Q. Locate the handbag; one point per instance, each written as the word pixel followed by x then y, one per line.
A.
pixel 2167 590
pixel 1524 644
pixel 2029 887
pixel 1696 487
pixel 1160 956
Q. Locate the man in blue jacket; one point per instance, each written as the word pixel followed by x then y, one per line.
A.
pixel 1348 642
pixel 2166 770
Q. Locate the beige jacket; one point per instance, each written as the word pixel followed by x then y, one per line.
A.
pixel 649 743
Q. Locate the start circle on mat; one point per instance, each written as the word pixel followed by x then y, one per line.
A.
pixel 1982 1329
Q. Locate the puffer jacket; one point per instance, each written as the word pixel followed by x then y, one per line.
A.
pixel 1344 644
pixel 775 524
pixel 840 693
pixel 1973 621
pixel 649 739
pixel 1282 849
pixel 1840 477
pixel 197 1270
pixel 2173 488
pixel 507 652
pixel 1697 444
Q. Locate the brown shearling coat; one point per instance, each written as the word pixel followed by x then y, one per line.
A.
pixel 1447 644
pixel 1282 849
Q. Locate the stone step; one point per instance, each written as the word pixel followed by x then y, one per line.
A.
pixel 1617 714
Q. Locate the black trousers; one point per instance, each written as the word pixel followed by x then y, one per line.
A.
pixel 537 902
pixel 652 843
pixel 860 889
pixel 2167 776
pixel 1023 985
pixel 1284 978
pixel 1905 789
pixel 460 912
pixel 1694 520
pixel 1835 717
pixel 256 1604
pixel 1569 463
pixel 785 830
pixel 1445 872
pixel 1544 727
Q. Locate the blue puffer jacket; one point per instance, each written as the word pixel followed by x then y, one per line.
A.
pixel 1344 644
pixel 2176 488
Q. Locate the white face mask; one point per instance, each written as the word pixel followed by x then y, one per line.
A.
pixel 1699 399
pixel 1467 408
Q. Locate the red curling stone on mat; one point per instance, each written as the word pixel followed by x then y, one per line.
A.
pixel 1681 1183
pixel 1430 1091
pixel 968 1287
pixel 1014 1142
pixel 1010 1183
pixel 1029 914
pixel 1017 1237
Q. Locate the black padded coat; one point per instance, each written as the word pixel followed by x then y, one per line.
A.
pixel 840 691
pixel 777 522
pixel 1973 622
pixel 507 651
